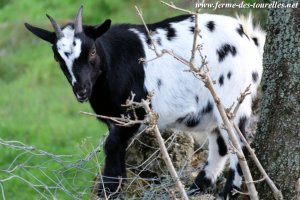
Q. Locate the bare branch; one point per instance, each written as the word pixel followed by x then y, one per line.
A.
pixel 120 121
pixel 149 33
pixel 276 192
pixel 172 5
pixel 164 151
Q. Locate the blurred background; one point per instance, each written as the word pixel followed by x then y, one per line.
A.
pixel 37 106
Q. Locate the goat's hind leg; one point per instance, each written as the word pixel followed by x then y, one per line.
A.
pixel 217 158
pixel 235 175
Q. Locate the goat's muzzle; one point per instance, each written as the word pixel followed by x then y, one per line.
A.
pixel 82 95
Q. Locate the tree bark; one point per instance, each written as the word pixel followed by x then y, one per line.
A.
pixel 277 142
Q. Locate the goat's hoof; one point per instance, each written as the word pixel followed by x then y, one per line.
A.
pixel 202 189
pixel 110 187
pixel 227 194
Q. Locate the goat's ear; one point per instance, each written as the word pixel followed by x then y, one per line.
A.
pixel 97 31
pixel 41 33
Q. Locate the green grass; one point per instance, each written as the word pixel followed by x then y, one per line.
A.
pixel 37 106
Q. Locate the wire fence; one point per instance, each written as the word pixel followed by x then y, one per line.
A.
pixel 54 176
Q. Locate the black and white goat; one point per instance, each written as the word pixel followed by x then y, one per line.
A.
pixel 102 65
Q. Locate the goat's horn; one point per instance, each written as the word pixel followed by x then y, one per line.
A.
pixel 58 32
pixel 78 21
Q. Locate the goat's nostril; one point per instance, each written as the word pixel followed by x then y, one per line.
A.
pixel 82 92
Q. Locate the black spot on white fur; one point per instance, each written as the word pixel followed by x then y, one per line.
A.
pixel 240 31
pixel 229 75
pixel 197 99
pixel 192 29
pixel 254 77
pixel 159 83
pixel 221 80
pixel 242 124
pixel 193 119
pixel 255 40
pixel 222 148
pixel 67 54
pixel 224 50
pixel 208 108
pixel 211 26
pixel 171 33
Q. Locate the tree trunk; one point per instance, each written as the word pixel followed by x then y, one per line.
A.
pixel 277 142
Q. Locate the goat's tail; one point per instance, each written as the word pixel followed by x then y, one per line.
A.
pixel 253 32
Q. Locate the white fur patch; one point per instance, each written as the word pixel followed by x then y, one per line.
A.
pixel 69 49
pixel 176 96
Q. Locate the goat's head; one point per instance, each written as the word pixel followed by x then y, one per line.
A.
pixel 75 50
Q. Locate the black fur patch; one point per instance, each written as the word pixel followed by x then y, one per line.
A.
pixel 221 146
pixel 255 40
pixel 192 29
pixel 227 191
pixel 221 80
pixel 254 76
pixel 180 120
pixel 159 83
pixel 208 108
pixel 240 31
pixel 200 184
pixel 192 121
pixel 171 33
pixel 211 26
pixel 165 24
pixel 229 75
pixel 197 99
pixel 225 50
pixel 242 124
pixel 239 169
pixel 246 152
pixel 148 41
pixel 67 54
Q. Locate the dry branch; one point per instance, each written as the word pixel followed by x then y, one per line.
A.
pixel 277 193
pixel 164 151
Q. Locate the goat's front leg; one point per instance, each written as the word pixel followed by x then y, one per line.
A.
pixel 114 169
